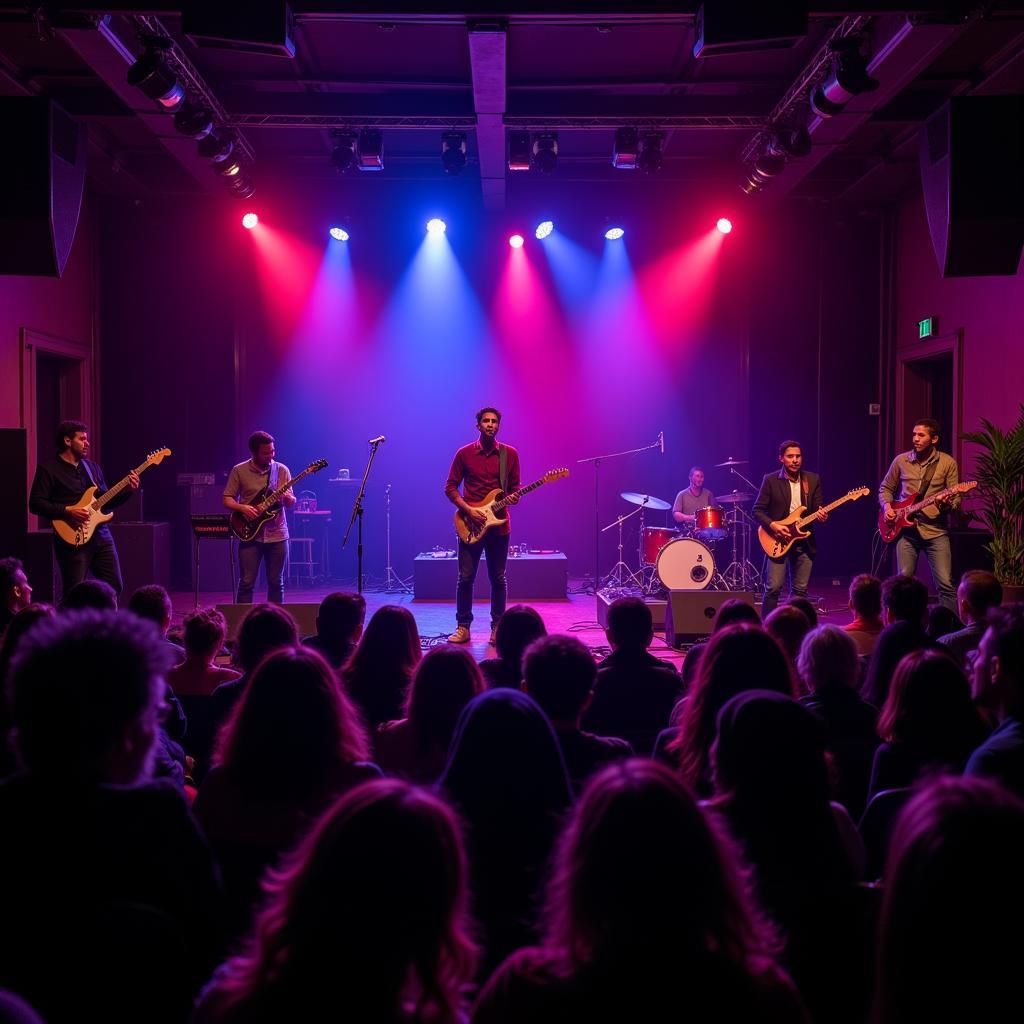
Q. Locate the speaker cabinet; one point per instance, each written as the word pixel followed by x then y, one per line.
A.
pixel 971 153
pixel 41 567
pixel 144 551
pixel 690 614
pixel 42 195
pixel 14 507
pixel 303 614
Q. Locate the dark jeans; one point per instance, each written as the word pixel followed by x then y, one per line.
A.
pixel 495 544
pixel 940 561
pixel 799 562
pixel 250 554
pixel 98 557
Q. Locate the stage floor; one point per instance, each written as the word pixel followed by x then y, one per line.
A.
pixel 575 615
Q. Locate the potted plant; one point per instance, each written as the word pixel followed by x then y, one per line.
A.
pixel 999 470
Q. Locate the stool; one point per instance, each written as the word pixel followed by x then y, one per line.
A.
pixel 300 560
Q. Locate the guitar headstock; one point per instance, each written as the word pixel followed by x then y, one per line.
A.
pixel 315 467
pixel 857 492
pixel 154 458
pixel 555 474
pixel 964 487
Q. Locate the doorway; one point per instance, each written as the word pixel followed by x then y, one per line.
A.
pixel 928 385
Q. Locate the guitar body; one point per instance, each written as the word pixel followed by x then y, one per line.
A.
pixel 890 531
pixel 78 534
pixel 472 532
pixel 775 548
pixel 247 529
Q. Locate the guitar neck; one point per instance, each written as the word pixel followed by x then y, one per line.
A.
pixel 502 502
pixel 824 509
pixel 274 496
pixel 113 492
pixel 939 496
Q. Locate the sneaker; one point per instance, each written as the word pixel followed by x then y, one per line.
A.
pixel 460 636
pixel 494 638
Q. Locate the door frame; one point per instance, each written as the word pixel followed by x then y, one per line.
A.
pixel 944 344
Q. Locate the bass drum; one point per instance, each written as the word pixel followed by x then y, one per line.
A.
pixel 685 565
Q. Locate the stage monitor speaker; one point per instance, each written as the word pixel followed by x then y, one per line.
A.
pixel 971 153
pixel 738 26
pixel 14 507
pixel 42 194
pixel 303 614
pixel 690 614
pixel 144 551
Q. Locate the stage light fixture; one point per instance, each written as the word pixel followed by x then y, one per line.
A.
pixel 193 120
pixel 789 142
pixel 519 151
pixel 339 234
pixel 649 158
pixel 242 188
pixel 545 152
pixel 152 75
pixel 613 234
pixel 724 225
pixel 544 228
pixel 626 149
pixel 217 145
pixel 848 78
pixel 250 220
pixel 765 167
pixel 453 152
pixel 344 157
pixel 516 241
pixel 371 150
pixel 436 226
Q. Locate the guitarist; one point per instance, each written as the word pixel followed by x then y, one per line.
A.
pixel 60 483
pixel 245 484
pixel 480 467
pixel 922 471
pixel 782 493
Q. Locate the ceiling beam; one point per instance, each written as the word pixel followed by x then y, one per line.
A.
pixel 488 50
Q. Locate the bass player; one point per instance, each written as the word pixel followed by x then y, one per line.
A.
pixel 479 467
pixel 923 471
pixel 245 484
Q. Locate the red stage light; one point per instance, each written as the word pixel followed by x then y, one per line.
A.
pixel 250 220
pixel 516 241
pixel 724 225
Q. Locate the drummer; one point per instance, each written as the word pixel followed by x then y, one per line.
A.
pixel 695 497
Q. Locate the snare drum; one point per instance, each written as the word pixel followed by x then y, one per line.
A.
pixel 685 565
pixel 710 524
pixel 654 539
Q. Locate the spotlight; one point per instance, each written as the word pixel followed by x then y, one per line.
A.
pixel 765 167
pixel 519 151
pixel 724 225
pixel 544 228
pixel 344 156
pixel 217 145
pixel 612 234
pixel 545 152
pixel 242 188
pixel 150 74
pixel 340 234
pixel 789 142
pixel 436 226
pixel 371 150
pixel 626 149
pixel 453 151
pixel 649 157
pixel 229 168
pixel 250 220
pixel 516 241
pixel 193 120
pixel 848 78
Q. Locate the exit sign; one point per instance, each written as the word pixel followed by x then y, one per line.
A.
pixel 928 327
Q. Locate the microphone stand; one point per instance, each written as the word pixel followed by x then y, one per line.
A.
pixel 357 513
pixel 597 460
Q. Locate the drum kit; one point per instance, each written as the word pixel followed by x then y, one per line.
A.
pixel 683 557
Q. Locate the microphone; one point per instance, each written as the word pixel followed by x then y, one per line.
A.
pixel 377 440
pixel 661 440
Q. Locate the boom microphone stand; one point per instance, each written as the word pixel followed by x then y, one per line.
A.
pixel 357 513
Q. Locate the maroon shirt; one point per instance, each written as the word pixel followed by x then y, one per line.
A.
pixel 477 472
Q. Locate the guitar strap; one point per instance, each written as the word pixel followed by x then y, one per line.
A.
pixel 502 469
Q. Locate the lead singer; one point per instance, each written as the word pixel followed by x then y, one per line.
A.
pixel 480 467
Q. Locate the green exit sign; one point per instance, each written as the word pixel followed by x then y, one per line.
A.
pixel 927 327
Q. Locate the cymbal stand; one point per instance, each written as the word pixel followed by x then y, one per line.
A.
pixel 621 575
pixel 393 583
pixel 741 574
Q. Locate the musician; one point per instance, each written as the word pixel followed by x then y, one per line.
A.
pixel 695 497
pixel 477 467
pixel 270 545
pixel 60 483
pixel 929 532
pixel 782 493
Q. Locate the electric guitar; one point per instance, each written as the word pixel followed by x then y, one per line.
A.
pixel 775 548
pixel 904 509
pixel 78 534
pixel 471 530
pixel 266 505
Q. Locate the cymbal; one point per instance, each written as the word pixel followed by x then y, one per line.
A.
pixel 647 500
pixel 731 462
pixel 734 498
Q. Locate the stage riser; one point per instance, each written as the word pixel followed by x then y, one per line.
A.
pixel 530 578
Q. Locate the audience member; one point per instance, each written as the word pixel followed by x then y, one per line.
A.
pixel 647 908
pixel 998 679
pixel 109 892
pixel 732 611
pixel 416 747
pixel 635 691
pixel 807 606
pixel 830 668
pixel 788 625
pixel 866 604
pixel 517 628
pixel 949 944
pixel 15 590
pixel 928 724
pixel 152 602
pixel 377 675
pixel 506 777
pixel 737 658
pixel 339 624
pixel 979 591
pixel 95 594
pixel 942 621
pixel 197 675
pixel 559 674
pixel 366 921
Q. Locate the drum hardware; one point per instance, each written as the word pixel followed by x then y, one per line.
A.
pixel 621 574
pixel 654 538
pixel 741 574
pixel 646 501
pixel 729 462
pixel 734 497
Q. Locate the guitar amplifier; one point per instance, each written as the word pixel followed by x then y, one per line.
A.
pixel 144 551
